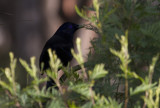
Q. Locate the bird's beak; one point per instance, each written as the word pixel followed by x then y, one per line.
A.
pixel 80 26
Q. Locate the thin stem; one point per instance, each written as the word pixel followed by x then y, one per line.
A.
pixel 81 66
pixel 126 93
pixel 84 73
pixel 13 98
pixel 38 91
pixel 146 96
pixel 92 96
pixel 59 86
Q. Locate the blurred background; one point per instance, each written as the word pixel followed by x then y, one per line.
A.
pixel 25 26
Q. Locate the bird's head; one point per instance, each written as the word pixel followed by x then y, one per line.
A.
pixel 68 28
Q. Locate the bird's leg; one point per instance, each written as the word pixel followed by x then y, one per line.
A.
pixel 60 73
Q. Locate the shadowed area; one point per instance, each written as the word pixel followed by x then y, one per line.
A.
pixel 26 25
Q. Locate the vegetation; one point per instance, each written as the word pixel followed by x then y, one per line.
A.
pixel 127 57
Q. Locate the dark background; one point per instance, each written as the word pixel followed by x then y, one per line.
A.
pixel 25 26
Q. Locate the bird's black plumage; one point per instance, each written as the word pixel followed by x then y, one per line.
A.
pixel 61 42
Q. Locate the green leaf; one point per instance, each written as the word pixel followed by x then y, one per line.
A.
pixel 78 56
pixel 24 98
pixel 82 88
pixel 134 75
pixel 56 103
pixel 88 105
pixel 81 13
pixel 26 66
pixel 98 72
pixel 33 66
pixel 8 74
pixel 11 56
pixel 72 105
pixel 96 7
pixel 6 86
pixel 141 88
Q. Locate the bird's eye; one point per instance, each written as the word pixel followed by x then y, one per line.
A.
pixel 70 26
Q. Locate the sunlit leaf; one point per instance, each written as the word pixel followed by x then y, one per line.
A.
pixel 82 89
pixel 98 72
pixel 141 88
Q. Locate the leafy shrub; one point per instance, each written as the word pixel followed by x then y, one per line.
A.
pixel 127 54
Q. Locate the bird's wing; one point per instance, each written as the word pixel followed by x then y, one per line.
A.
pixel 44 57
pixel 62 48
pixel 64 53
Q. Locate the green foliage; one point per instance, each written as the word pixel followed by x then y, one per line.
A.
pixel 98 72
pixel 124 58
pixel 141 21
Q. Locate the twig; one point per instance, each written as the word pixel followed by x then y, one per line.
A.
pixel 12 98
pixel 126 93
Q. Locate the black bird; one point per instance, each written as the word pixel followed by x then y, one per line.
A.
pixel 62 43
